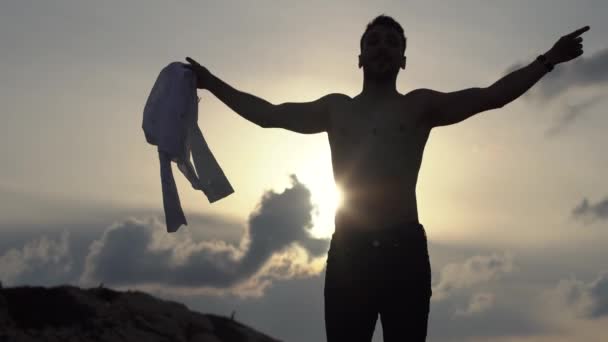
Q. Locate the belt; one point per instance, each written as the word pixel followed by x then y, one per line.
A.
pixel 384 236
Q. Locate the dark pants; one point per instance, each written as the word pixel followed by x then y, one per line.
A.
pixel 380 271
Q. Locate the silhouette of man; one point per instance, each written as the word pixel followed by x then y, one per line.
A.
pixel 378 262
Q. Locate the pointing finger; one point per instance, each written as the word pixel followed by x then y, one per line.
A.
pixel 578 32
pixel 192 61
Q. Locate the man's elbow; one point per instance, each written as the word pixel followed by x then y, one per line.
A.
pixel 498 105
pixel 263 123
pixel 494 99
pixel 266 118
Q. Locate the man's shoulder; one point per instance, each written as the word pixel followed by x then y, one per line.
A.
pixel 416 102
pixel 421 93
pixel 420 97
pixel 335 100
pixel 337 97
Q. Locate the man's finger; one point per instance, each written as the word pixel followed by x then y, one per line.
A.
pixel 578 32
pixel 192 61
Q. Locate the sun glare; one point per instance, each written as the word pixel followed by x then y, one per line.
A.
pixel 326 197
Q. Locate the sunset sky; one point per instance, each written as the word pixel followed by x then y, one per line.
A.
pixel 514 201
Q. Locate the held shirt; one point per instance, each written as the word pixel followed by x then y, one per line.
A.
pixel 170 122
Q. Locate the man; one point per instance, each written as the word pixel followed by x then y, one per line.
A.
pixel 378 260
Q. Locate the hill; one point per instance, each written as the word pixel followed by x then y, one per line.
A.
pixel 69 313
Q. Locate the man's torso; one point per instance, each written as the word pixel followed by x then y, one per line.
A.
pixel 376 151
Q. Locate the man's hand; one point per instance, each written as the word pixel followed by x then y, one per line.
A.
pixel 203 76
pixel 568 47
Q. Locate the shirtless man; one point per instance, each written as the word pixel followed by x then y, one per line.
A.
pixel 378 261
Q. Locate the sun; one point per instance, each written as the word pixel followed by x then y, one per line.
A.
pixel 326 197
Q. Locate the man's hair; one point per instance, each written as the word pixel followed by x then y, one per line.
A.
pixel 387 21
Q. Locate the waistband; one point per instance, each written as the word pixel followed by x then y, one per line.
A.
pixel 409 229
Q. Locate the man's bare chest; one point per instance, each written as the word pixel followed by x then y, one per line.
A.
pixel 387 127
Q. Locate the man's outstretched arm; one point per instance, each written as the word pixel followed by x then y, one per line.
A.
pixel 449 108
pixel 303 117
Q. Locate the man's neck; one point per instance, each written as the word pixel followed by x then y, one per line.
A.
pixel 378 90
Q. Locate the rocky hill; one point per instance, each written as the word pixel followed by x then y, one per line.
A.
pixel 71 314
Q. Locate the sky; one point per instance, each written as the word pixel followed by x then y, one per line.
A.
pixel 514 201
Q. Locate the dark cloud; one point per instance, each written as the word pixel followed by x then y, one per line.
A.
pixel 585 300
pixel 599 293
pixel 498 319
pixel 582 72
pixel 572 112
pixel 297 299
pixel 478 303
pixel 276 244
pixel 579 73
pixel 589 213
pixel 463 307
pixel 478 300
pixel 141 252
pixel 475 270
pixel 39 260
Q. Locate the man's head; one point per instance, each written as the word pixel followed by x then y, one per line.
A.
pixel 382 47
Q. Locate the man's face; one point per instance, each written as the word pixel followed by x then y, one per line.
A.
pixel 381 54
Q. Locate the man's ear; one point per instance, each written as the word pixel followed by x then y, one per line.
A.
pixel 403 60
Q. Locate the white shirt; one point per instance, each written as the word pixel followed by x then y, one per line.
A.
pixel 170 122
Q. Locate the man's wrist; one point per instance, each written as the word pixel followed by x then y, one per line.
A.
pixel 211 82
pixel 545 62
pixel 551 58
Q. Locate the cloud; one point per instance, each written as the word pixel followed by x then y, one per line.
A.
pixel 472 271
pixel 42 258
pixel 583 300
pixel 285 284
pixel 479 302
pixel 572 113
pixel 589 213
pixel 276 245
pixel 474 304
pixel 581 72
